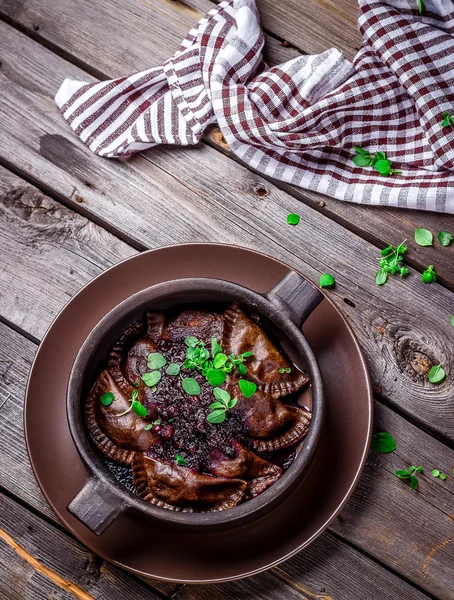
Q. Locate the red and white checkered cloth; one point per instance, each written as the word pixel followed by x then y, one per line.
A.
pixel 298 121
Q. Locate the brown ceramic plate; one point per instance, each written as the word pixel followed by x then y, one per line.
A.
pixel 143 547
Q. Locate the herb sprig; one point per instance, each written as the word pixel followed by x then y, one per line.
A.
pixel 438 474
pixel 409 476
pixel 391 263
pixel 216 368
pixel 219 408
pixel 378 161
pixel 136 406
pixel 429 275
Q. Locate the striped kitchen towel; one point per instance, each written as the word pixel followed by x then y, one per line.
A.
pixel 299 121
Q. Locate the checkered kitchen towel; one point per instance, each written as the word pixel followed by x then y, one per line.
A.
pixel 298 121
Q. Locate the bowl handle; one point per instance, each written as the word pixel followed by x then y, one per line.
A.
pixel 96 506
pixel 295 296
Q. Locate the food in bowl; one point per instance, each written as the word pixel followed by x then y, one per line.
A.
pixel 200 404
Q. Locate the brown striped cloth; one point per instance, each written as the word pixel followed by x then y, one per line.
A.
pixel 299 121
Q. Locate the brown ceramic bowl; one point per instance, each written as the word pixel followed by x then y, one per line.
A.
pixel 284 309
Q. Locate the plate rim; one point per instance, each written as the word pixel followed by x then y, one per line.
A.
pixel 319 531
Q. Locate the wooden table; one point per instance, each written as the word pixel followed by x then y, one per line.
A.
pixel 66 215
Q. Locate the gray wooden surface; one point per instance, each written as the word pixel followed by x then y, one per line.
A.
pixel 66 215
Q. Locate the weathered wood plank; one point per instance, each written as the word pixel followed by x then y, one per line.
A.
pixel 45 561
pixel 323 564
pixel 150 40
pixel 197 194
pixel 313 575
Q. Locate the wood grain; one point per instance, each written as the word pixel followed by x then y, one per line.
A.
pixel 197 194
pixel 37 560
pixel 321 569
pixel 154 29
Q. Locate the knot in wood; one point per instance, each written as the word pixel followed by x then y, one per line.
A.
pixel 412 358
pixel 261 191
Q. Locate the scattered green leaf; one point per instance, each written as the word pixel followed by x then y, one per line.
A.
pixel 191 386
pixel 151 379
pixel 191 341
pixel 423 237
pixel 139 409
pixel 448 120
pixel 409 475
pixel 436 374
pixel 180 460
pixel 215 377
pixel 381 277
pixel 442 476
pixel 286 370
pixel 107 398
pixel 156 361
pixel 217 416
pixel 173 369
pixel 421 6
pixel 429 275
pixel 219 360
pixel 445 238
pixel 451 318
pixel 435 473
pixel 293 219
pixel 221 395
pixel 327 280
pixel 383 442
pixel 216 348
pixel 248 388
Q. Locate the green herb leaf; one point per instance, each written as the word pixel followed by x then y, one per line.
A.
pixel 445 238
pixel 217 405
pixel 429 275
pixel 242 370
pixel 451 318
pixel 191 386
pixel 402 474
pixel 423 237
pixel 419 469
pixel 383 166
pixel 151 379
pixel 139 409
pixel 215 377
pixel 232 402
pixel 435 473
pixel 436 374
pixel 421 6
pixel 248 388
pixel 361 160
pixel 148 427
pixel 173 369
pixel 180 460
pixel 327 280
pixel 135 395
pixel 448 120
pixel 293 219
pixel 383 442
pixel 216 348
pixel 156 361
pixel 219 360
pixel 442 476
pixel 221 395
pixel 107 398
pixel 381 277
pixel 217 416
pixel 413 483
pixel 191 341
